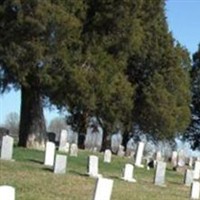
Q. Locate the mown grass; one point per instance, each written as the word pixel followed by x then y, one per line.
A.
pixel 33 181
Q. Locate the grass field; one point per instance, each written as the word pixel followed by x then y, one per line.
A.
pixel 33 181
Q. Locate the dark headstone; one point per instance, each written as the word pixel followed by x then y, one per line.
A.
pixel 3 132
pixel 51 137
pixel 81 140
pixel 151 164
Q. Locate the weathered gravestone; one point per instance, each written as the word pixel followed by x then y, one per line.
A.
pixel 181 158
pixel 121 151
pixel 51 137
pixel 197 170
pixel 103 189
pixel 60 164
pixel 94 137
pixel 139 155
pixel 159 156
pixel 72 136
pixel 63 141
pixel 130 151
pixel 191 161
pixel 7 148
pixel 116 140
pixel 67 146
pixel 128 173
pixel 107 156
pixel 159 178
pixel 174 158
pixel 7 192
pixel 195 190
pixel 188 179
pixel 93 166
pixel 49 154
pixel 74 150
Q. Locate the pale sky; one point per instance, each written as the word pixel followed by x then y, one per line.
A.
pixel 184 21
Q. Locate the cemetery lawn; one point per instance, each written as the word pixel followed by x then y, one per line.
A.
pixel 33 181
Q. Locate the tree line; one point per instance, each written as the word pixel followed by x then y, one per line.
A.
pixel 112 59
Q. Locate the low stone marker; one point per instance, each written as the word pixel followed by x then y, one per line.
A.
pixel 7 147
pixel 107 156
pixel 139 155
pixel 121 151
pixel 195 190
pixel 49 154
pixel 160 174
pixel 197 170
pixel 60 164
pixel 188 179
pixel 103 189
pixel 7 192
pixel 74 150
pixel 128 173
pixel 93 166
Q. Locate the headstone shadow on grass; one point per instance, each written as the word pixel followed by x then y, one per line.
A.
pixel 78 173
pixel 47 169
pixel 36 161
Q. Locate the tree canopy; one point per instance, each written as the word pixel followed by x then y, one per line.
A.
pixel 37 40
pixel 192 133
pixel 112 59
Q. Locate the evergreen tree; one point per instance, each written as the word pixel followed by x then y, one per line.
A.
pixel 193 132
pixel 160 70
pixel 98 85
pixel 37 41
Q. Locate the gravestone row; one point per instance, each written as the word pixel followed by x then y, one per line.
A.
pixel 61 161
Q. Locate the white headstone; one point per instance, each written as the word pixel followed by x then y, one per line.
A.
pixel 188 179
pixel 191 161
pixel 181 158
pixel 60 164
pixel 74 150
pixel 159 156
pixel 7 192
pixel 103 189
pixel 195 190
pixel 174 158
pixel 7 148
pixel 160 173
pixel 197 170
pixel 49 154
pixel 63 141
pixel 93 166
pixel 67 147
pixel 139 155
pixel 128 173
pixel 107 156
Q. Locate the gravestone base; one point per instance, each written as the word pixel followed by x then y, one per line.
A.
pixel 132 180
pixel 10 160
pixel 181 169
pixel 95 175
pixel 160 185
pixel 140 166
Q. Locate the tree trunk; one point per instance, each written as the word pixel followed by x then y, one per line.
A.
pixel 32 131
